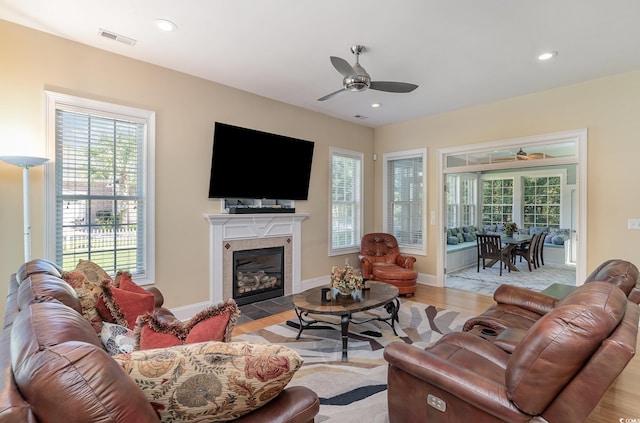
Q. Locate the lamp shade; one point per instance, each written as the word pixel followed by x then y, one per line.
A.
pixel 24 161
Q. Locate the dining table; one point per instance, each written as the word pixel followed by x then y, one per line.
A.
pixel 513 242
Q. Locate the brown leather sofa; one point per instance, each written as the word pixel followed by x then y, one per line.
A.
pixel 557 371
pixel 54 368
pixel 380 260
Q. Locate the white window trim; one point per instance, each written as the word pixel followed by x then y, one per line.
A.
pixel 459 205
pixel 358 156
pixel 52 101
pixel 413 250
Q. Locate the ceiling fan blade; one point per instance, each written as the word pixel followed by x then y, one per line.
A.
pixel 392 87
pixel 328 96
pixel 342 66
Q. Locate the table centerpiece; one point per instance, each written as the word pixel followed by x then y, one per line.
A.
pixel 346 281
pixel 510 228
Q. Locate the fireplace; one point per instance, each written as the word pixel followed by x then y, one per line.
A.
pixel 230 233
pixel 258 274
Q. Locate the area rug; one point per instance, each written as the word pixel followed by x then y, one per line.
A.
pixel 356 391
pixel 486 281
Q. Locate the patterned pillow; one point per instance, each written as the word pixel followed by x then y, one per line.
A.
pixel 215 323
pixel 88 294
pixel 210 381
pixel 93 272
pixel 117 339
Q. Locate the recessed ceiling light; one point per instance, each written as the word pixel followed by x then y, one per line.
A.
pixel 548 55
pixel 165 25
pixel 376 105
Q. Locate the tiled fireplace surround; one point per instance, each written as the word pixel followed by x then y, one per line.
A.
pixel 233 232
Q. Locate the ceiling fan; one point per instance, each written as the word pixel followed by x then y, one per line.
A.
pixel 357 79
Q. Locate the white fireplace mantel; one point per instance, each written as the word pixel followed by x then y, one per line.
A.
pixel 230 227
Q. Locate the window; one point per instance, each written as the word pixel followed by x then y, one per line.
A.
pixel 497 201
pixel 403 216
pixel 462 203
pixel 101 192
pixel 453 201
pixel 542 201
pixel 468 200
pixel 346 201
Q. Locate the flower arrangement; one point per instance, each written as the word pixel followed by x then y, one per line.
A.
pixel 510 228
pixel 346 279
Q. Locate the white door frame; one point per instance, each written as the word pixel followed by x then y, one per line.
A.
pixel 580 159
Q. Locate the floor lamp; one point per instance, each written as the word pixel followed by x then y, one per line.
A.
pixel 25 162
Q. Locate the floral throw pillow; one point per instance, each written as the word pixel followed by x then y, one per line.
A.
pixel 88 293
pixel 93 272
pixel 117 339
pixel 210 381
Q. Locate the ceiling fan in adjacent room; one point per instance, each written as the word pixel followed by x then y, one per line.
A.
pixel 357 79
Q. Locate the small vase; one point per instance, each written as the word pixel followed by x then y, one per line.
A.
pixel 335 292
pixel 356 294
pixel 344 291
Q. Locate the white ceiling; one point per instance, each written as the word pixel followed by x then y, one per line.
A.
pixel 460 52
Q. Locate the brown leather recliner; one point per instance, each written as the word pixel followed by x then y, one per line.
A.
pixel 520 308
pixel 380 260
pixel 562 367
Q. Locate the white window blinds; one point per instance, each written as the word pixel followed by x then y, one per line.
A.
pixel 405 197
pixel 346 200
pixel 100 188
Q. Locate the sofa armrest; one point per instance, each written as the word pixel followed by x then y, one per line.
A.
pixel 509 339
pixel 405 261
pixel 365 266
pixel 158 298
pixel 525 298
pixel 296 404
pixel 461 382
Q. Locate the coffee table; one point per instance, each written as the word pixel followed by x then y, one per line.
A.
pixel 375 294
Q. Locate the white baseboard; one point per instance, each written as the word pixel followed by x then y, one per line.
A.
pixel 425 279
pixel 188 311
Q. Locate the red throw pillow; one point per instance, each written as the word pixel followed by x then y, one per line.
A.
pixel 124 304
pixel 215 323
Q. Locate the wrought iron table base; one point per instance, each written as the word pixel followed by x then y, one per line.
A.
pixel 391 308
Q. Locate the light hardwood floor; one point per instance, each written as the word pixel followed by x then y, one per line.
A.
pixel 620 404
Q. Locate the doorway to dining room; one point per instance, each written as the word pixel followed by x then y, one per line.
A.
pixel 561 156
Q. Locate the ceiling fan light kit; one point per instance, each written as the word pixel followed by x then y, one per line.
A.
pixel 357 79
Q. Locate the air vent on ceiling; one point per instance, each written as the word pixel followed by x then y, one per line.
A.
pixel 116 37
pixel 359 117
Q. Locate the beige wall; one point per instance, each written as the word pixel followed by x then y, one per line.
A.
pixel 610 110
pixel 186 108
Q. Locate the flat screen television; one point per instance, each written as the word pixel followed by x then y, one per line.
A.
pixel 253 164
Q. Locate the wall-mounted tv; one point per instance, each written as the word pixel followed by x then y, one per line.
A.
pixel 253 164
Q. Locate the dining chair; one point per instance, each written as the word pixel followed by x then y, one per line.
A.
pixel 539 253
pixel 528 251
pixel 490 248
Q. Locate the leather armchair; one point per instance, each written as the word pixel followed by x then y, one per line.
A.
pixel 558 372
pixel 380 260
